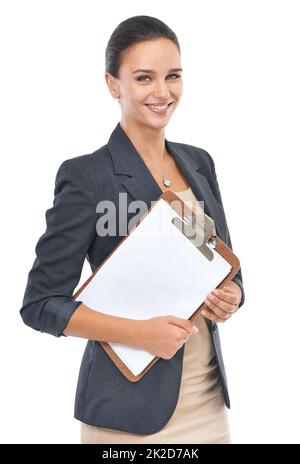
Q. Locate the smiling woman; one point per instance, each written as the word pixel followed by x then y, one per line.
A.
pixel 143 71
pixel 183 397
pixel 148 85
pixel 157 88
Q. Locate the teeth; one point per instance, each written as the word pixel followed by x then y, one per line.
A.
pixel 159 107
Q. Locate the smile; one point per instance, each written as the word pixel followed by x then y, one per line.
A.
pixel 159 108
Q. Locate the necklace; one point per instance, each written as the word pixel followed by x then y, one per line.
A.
pixel 166 181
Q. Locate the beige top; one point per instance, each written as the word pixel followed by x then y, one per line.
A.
pixel 200 415
pixel 188 196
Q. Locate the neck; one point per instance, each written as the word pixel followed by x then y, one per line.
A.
pixel 149 142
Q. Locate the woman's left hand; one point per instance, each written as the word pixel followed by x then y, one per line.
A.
pixel 222 303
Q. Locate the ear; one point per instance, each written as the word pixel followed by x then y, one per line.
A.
pixel 113 85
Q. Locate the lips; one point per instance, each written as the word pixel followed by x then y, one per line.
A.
pixel 159 104
pixel 159 108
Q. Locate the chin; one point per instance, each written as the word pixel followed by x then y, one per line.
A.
pixel 157 123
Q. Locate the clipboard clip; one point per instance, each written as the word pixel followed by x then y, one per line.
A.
pixel 200 230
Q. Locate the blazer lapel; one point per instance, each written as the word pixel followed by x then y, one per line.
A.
pixel 141 184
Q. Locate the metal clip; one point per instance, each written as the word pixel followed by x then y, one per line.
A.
pixel 200 229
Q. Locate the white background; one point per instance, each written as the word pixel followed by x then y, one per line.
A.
pixel 241 104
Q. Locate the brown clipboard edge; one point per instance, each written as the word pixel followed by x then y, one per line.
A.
pixel 220 248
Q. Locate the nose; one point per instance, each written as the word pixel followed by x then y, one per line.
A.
pixel 161 91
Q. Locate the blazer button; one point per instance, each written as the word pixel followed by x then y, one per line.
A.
pixel 214 327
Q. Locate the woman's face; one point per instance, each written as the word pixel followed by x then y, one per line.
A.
pixel 160 82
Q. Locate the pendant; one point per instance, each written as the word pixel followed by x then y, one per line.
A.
pixel 167 181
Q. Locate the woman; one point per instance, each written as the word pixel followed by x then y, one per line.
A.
pixel 183 397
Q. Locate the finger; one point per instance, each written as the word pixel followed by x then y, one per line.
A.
pixel 226 289
pixel 227 295
pixel 185 324
pixel 218 311
pixel 227 306
pixel 220 307
pixel 212 316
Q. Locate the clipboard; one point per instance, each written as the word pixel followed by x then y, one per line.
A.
pixel 124 280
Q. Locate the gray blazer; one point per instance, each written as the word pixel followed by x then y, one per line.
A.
pixel 104 397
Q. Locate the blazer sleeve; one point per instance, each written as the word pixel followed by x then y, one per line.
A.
pixel 238 278
pixel 60 252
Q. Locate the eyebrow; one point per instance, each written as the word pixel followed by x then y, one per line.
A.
pixel 152 71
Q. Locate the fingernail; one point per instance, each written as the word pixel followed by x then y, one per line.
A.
pixel 195 328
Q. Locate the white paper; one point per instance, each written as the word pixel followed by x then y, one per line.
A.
pixel 155 271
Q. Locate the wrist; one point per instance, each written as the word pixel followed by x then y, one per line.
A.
pixel 137 332
pixel 236 288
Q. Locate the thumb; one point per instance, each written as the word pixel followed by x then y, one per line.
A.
pixel 184 324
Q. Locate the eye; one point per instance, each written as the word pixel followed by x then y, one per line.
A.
pixel 176 75
pixel 141 78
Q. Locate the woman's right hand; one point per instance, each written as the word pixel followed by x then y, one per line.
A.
pixel 162 336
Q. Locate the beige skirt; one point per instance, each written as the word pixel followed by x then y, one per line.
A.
pixel 200 415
